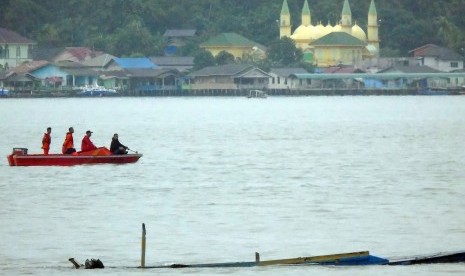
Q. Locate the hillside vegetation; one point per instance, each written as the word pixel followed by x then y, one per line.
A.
pixel 135 27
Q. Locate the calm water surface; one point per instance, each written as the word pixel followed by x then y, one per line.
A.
pixel 222 178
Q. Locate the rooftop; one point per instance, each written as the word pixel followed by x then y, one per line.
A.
pixel 8 36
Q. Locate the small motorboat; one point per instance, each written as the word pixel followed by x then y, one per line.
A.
pixel 20 157
pixel 98 91
pixel 257 94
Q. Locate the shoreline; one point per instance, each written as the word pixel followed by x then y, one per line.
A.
pixel 245 93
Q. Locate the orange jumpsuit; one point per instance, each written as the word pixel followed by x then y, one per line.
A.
pixel 69 143
pixel 46 143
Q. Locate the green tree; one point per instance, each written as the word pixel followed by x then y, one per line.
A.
pixel 224 57
pixel 203 59
pixel 283 52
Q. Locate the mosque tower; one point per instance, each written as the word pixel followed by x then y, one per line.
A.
pixel 285 21
pixel 346 18
pixel 306 15
pixel 372 31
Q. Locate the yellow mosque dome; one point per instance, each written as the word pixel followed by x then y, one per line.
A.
pixel 303 33
pixel 328 29
pixel 309 32
pixel 359 33
pixel 319 31
pixel 337 28
pixel 299 32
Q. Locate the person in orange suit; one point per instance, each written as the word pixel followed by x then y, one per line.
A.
pixel 68 145
pixel 86 144
pixel 46 140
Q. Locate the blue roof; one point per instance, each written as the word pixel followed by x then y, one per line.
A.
pixel 135 63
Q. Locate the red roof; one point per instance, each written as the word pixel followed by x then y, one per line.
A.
pixel 10 37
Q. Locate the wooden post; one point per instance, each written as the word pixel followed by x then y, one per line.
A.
pixel 142 258
pixel 257 257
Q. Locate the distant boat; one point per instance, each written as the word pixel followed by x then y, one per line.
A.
pixel 257 94
pixel 98 91
pixel 4 91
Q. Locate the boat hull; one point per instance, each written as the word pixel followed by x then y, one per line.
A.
pixel 21 158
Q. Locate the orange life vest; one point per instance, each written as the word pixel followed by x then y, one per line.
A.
pixel 69 143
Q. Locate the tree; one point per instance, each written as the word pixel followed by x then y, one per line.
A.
pixel 224 57
pixel 283 52
pixel 203 59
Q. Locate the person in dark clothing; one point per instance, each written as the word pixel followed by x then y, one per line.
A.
pixel 116 147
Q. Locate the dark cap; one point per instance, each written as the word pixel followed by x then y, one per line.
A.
pixel 87 132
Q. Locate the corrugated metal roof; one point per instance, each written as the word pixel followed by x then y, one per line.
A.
pixel 180 33
pixel 379 76
pixel 431 50
pixel 409 69
pixel 10 37
pixel 223 70
pixel 100 61
pixel 161 61
pixel 133 63
pixel 338 38
pixel 286 72
pixel 230 39
pixel 143 73
pixel 27 67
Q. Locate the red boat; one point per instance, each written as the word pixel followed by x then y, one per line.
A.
pixel 102 155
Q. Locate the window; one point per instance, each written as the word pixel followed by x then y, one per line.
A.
pixel 7 52
pixel 279 80
pixel 454 64
pixel 18 51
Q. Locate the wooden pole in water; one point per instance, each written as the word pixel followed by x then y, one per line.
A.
pixel 142 258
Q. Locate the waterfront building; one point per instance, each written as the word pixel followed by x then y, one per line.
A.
pixel 14 48
pixel 235 44
pixel 344 43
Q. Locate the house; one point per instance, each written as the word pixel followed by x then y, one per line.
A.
pixel 439 58
pixel 60 74
pixel 14 48
pixel 235 44
pixel 419 82
pixel 150 80
pixel 229 76
pixel 177 38
pixel 281 78
pixel 182 64
pixel 19 82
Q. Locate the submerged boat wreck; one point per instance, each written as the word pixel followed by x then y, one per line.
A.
pixel 341 259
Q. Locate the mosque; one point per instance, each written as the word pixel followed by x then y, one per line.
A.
pixel 345 43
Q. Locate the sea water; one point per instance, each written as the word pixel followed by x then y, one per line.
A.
pixel 222 178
